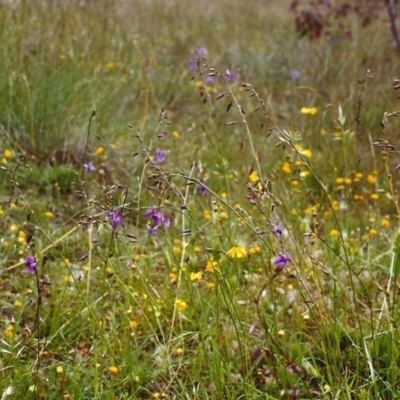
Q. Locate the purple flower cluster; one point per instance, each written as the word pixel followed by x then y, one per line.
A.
pixel 158 220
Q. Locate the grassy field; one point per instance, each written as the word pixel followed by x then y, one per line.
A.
pixel 196 203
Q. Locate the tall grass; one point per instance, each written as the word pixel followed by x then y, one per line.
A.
pixel 238 236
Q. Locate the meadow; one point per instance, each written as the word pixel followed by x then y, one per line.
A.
pixel 197 202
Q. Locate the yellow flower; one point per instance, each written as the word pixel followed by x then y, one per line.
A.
pixel 373 232
pixel 255 250
pixel 207 215
pixel 198 84
pixel 176 134
pixel 211 285
pixel 62 57
pixel 371 178
pixel 99 150
pixel 133 324
pixel 110 65
pixel 374 196
pixel 7 153
pixel 197 249
pixel 21 237
pixel 113 370
pixel 295 182
pixel 333 233
pixel 237 252
pixel 49 214
pixel 358 175
pixel 211 265
pixel 180 305
pixel 17 303
pixel 1 211
pixel 253 177
pixel 196 276
pixel 13 227
pixel 339 181
pixel 59 369
pixel 286 168
pixel 385 223
pixel 281 333
pixel 347 181
pixel 310 111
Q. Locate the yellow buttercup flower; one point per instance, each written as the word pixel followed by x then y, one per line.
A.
pixel 308 111
pixel 180 305
pixel 253 177
pixel 237 252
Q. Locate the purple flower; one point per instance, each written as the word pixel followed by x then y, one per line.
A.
pixel 150 71
pixel 30 263
pixel 158 219
pixel 210 80
pixel 152 230
pixel 230 75
pixel 89 167
pixel 192 64
pixel 281 261
pixel 202 189
pixel 277 230
pixel 115 219
pixel 201 52
pixel 160 156
pixel 295 74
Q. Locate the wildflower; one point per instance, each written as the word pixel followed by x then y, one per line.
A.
pixel 334 233
pixel 385 223
pixel 374 196
pixel 237 252
pixel 253 177
pixel 158 219
pixel 295 74
pixel 286 168
pixel 339 181
pixel 211 265
pixel 99 150
pixel 113 370
pixel 115 219
pixel 192 64
pixel 281 333
pixel 371 179
pixel 30 263
pixel 176 134
pixel 160 156
pixel 49 214
pixel 7 153
pixel 201 52
pixel 89 167
pixel 59 369
pixel 310 111
pixel 373 232
pixel 210 80
pixel 180 305
pixel 281 261
pixel 277 230
pixel 196 277
pixel 202 189
pixel 230 75
pixel 133 324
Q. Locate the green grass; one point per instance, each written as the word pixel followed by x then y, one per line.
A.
pixel 198 310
